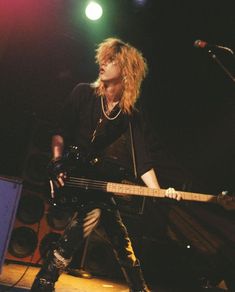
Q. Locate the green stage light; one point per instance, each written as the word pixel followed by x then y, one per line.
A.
pixel 94 11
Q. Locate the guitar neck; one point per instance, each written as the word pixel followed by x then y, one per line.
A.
pixel 127 189
pixel 160 193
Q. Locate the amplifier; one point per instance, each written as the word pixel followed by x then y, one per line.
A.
pixel 10 191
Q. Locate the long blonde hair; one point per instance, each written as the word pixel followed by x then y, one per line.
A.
pixel 133 67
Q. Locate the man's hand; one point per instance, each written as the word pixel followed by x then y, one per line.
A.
pixel 173 194
pixel 57 171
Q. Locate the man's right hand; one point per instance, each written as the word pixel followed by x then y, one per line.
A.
pixel 57 171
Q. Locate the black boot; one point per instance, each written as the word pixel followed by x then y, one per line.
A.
pixel 135 278
pixel 41 284
pixel 51 269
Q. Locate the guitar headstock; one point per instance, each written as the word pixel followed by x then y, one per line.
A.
pixel 226 200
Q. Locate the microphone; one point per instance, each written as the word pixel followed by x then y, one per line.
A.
pixel 204 45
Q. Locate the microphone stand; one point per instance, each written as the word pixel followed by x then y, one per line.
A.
pixel 214 57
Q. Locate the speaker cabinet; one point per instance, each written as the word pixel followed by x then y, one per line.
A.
pixel 38 224
pixel 10 190
pixel 38 156
pixel 96 256
pixel 37 228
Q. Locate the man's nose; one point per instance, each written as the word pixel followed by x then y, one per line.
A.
pixel 104 63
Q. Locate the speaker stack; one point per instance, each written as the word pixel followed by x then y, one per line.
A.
pixel 37 228
pixel 38 224
pixel 37 156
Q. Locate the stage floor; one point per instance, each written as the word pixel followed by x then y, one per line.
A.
pixel 23 275
pixel 11 273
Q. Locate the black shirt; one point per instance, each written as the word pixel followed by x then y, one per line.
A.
pixel 84 124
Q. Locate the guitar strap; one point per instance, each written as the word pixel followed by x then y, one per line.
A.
pixel 141 211
pixel 133 150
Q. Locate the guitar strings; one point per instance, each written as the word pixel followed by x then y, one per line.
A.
pixel 85 183
pixel 93 184
pixel 85 180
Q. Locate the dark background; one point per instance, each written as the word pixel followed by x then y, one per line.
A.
pixel 47 46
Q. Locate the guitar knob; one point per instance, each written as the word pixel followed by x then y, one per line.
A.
pixel 94 161
pixel 74 199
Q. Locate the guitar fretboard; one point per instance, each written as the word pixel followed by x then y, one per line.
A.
pixel 148 192
pixel 127 189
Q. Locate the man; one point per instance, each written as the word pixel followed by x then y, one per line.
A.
pixel 96 117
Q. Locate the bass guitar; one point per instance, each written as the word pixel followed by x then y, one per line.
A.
pixel 123 189
pixel 75 184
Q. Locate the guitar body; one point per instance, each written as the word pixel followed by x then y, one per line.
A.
pixel 79 165
pixel 74 198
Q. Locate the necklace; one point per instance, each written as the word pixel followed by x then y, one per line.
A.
pixel 103 110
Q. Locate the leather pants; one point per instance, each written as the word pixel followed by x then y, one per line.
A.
pixel 82 224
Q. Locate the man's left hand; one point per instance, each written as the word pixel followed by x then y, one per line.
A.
pixel 173 194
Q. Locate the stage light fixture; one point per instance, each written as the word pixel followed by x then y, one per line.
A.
pixel 140 2
pixel 93 11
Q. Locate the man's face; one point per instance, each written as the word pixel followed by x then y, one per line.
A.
pixel 110 71
pixel 110 75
